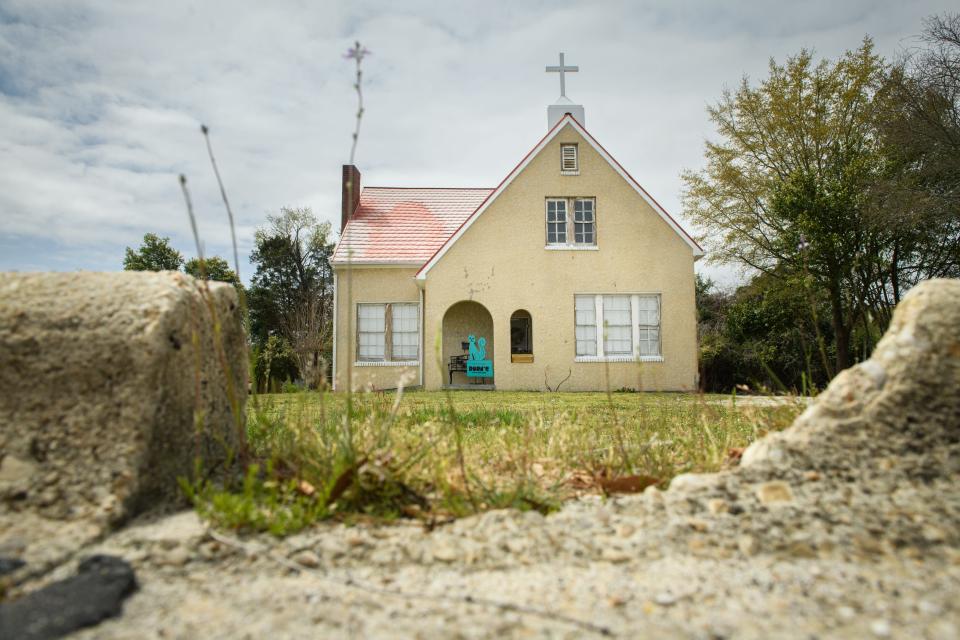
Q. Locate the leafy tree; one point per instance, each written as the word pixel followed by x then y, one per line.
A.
pixel 760 336
pixel 703 287
pixel 155 254
pixel 215 267
pixel 272 362
pixel 291 292
pixel 920 196
pixel 925 129
pixel 786 189
pixel 838 183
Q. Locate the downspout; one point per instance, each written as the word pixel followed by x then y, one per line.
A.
pixel 423 336
pixel 333 369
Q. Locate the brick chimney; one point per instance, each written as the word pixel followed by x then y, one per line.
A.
pixel 350 194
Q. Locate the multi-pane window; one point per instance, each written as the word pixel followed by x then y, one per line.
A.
pixel 648 321
pixel 388 332
pixel 622 325
pixel 586 325
pixel 371 331
pixel 583 225
pixel 556 221
pixel 617 328
pixel 584 221
pixel 405 332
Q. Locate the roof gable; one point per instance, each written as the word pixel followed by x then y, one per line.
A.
pixel 492 196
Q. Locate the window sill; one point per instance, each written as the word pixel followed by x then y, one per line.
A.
pixel 521 357
pixel 386 363
pixel 571 247
pixel 618 359
pixel 569 173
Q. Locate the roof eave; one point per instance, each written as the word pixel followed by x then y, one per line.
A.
pixel 409 264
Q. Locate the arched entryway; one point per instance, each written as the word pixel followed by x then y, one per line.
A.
pixel 462 320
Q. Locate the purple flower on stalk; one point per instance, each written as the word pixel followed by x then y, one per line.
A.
pixel 356 52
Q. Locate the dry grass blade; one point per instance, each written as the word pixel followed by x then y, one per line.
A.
pixel 343 482
pixel 626 484
pixel 193 225
pixel 232 392
pixel 223 194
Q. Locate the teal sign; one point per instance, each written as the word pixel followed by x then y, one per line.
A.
pixel 477 364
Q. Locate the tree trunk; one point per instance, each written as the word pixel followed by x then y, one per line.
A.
pixel 841 332
pixel 895 273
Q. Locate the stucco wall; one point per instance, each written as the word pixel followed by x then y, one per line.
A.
pixel 501 263
pixel 378 285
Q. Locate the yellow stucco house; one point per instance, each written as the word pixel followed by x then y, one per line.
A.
pixel 567 273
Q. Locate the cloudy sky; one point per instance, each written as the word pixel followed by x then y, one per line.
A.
pixel 101 102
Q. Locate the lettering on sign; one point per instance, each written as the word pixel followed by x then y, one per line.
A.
pixel 477 365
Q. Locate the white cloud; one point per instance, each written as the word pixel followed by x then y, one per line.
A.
pixel 101 102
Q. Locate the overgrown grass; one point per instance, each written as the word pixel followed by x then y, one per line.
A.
pixel 400 455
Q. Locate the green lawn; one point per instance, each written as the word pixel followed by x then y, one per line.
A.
pixel 435 454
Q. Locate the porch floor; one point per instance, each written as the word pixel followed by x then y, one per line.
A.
pixel 471 387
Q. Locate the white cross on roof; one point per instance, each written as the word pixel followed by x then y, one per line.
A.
pixel 561 69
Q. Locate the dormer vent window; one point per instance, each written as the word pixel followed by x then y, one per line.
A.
pixel 569 160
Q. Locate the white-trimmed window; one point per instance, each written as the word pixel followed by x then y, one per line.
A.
pixel 617 331
pixel 617 327
pixel 371 331
pixel 556 221
pixel 405 340
pixel 584 230
pixel 648 325
pixel 583 225
pixel 388 332
pixel 569 160
pixel 586 325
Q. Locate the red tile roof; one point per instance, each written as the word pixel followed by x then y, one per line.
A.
pixel 393 224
